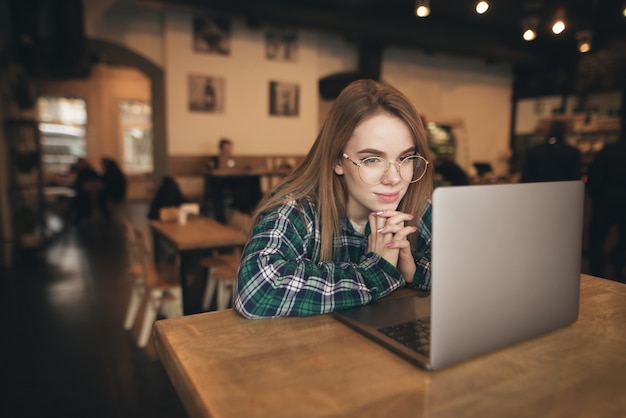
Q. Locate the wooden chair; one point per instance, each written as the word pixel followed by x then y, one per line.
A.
pixel 135 273
pixel 222 268
pixel 158 287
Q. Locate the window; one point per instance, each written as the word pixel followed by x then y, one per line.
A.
pixel 136 125
pixel 62 127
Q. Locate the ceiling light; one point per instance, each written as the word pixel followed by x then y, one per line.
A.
pixel 422 8
pixel 558 27
pixel 559 22
pixel 624 10
pixel 529 28
pixel 482 7
pixel 584 40
pixel 529 35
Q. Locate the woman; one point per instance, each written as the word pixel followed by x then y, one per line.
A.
pixel 340 231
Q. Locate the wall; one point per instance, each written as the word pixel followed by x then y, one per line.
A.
pixel 125 23
pixel 475 95
pixel 247 74
pixel 442 87
pixel 102 90
pixel 469 91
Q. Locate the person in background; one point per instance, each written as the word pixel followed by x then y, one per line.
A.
pixel 352 222
pixel 554 159
pixel 89 199
pixel 244 191
pixel 225 153
pixel 449 172
pixel 168 194
pixel 115 187
pixel 606 186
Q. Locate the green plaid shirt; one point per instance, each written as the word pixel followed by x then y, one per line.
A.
pixel 281 275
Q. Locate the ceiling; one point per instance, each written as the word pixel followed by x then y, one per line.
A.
pixel 453 26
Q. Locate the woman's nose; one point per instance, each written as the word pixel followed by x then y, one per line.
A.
pixel 392 174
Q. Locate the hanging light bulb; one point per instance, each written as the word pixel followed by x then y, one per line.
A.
pixel 558 27
pixel 559 23
pixel 482 7
pixel 529 35
pixel 529 28
pixel 584 41
pixel 422 8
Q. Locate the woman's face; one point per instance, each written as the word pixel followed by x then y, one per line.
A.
pixel 383 136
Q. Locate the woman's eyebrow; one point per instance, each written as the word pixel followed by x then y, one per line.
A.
pixel 379 152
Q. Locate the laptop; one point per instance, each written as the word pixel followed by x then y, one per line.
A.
pixel 505 268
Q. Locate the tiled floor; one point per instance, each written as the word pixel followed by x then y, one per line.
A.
pixel 64 350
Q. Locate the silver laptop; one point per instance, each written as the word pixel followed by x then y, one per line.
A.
pixel 505 265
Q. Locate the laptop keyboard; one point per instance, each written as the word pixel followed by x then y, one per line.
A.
pixel 413 334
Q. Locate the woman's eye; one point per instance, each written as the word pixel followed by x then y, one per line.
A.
pixel 371 161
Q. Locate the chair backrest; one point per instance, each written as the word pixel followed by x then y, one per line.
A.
pixel 167 270
pixel 132 251
pixel 142 243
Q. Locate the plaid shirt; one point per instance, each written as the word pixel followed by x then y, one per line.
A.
pixel 280 273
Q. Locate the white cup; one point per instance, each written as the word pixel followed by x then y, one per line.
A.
pixel 182 217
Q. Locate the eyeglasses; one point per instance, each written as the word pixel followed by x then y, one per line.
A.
pixel 372 169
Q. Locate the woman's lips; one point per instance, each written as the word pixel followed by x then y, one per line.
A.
pixel 388 197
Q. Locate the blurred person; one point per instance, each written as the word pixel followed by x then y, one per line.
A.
pixel 554 159
pixel 115 188
pixel 606 185
pixel 244 190
pixel 352 222
pixel 88 186
pixel 224 156
pixel 168 194
pixel 449 172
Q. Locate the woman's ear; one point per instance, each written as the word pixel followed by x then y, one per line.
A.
pixel 339 167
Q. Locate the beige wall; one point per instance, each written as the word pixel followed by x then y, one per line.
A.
pixel 476 94
pixel 247 74
pixel 102 92
pixel 442 87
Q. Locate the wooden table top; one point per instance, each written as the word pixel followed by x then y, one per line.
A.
pixel 226 366
pixel 199 233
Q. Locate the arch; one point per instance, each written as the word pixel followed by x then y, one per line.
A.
pixel 114 54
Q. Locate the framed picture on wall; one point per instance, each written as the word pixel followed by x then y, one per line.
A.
pixel 206 93
pixel 212 35
pixel 284 98
pixel 281 44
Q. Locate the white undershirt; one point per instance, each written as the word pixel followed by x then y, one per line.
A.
pixel 358 228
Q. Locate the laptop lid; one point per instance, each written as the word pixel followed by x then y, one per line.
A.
pixel 505 268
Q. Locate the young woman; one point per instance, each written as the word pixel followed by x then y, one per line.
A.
pixel 352 222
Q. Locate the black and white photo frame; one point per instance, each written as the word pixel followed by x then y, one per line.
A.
pixel 212 35
pixel 284 99
pixel 281 44
pixel 206 93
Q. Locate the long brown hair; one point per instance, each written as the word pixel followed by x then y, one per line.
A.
pixel 315 177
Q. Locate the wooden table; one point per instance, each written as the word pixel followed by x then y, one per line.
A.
pixel 225 366
pixel 193 240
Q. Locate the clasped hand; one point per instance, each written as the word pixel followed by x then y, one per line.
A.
pixel 388 238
